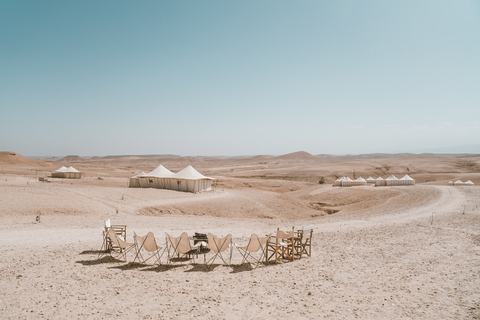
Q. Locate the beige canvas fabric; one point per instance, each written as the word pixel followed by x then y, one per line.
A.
pixel 181 246
pixel 149 244
pixel 255 244
pixel 218 246
pixel 123 246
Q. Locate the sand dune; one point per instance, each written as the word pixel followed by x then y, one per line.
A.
pixel 378 253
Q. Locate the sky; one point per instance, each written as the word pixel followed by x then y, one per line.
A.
pixel 239 77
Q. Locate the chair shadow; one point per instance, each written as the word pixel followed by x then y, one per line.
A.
pixel 107 259
pixel 241 267
pixel 93 252
pixel 199 267
pixel 162 267
pixel 129 266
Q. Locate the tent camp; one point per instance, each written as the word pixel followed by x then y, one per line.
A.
pixel 67 173
pixel 187 180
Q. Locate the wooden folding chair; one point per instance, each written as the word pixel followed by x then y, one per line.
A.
pixel 305 244
pixel 281 246
pixel 119 229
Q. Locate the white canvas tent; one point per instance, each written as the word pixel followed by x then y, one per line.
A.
pixel 67 173
pixel 391 181
pixel 187 180
pixel 407 181
pixel 458 183
pixel 347 182
pixel 159 178
pixel 380 182
pixel 450 183
pixel 469 183
pixel 190 180
pixel 370 180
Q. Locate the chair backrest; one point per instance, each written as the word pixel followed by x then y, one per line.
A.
pixel 307 232
pixel 108 224
pixel 284 235
pixel 218 244
pixel 256 243
pixel 116 240
pixel 147 242
pixel 179 244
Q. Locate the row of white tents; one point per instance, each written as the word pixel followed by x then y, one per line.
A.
pixel 67 173
pixel 187 180
pixel 390 181
pixel 394 181
pixel 460 183
pixel 347 182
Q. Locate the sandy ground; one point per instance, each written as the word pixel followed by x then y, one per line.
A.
pixel 387 253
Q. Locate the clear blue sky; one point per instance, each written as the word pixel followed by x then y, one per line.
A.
pixel 238 77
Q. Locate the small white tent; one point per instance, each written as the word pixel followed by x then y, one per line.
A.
pixel 391 181
pixel 407 181
pixel 450 183
pixel 380 182
pixel 370 180
pixel 469 183
pixel 458 183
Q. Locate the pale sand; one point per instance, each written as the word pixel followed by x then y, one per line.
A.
pixel 382 256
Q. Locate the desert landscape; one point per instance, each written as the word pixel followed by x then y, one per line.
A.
pixel 407 252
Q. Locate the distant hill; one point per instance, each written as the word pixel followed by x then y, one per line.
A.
pixel 300 155
pixel 71 159
pixel 163 156
pixel 9 157
pixel 382 156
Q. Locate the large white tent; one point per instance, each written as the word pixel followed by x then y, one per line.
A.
pixel 187 180
pixel 67 173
